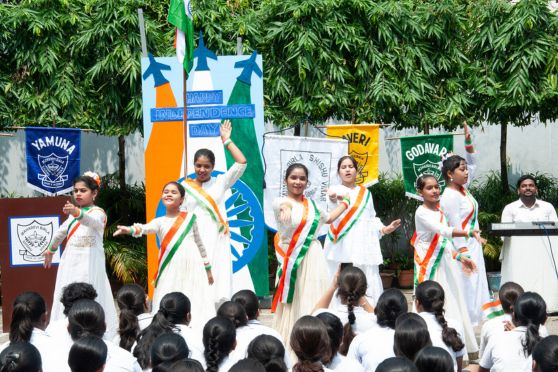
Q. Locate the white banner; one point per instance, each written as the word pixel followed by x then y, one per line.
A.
pixel 319 155
pixel 30 238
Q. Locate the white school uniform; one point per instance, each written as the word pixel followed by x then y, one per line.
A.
pixel 504 353
pixel 226 364
pixel 495 326
pixel 344 364
pixel 435 330
pixel 244 335
pixel 372 347
pixel 194 341
pixel 363 319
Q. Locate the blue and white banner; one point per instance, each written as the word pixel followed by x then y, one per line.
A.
pixel 53 156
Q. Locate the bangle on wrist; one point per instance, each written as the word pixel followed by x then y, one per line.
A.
pixel 227 142
pixel 51 250
pixel 468 141
pixel 344 203
pixel 79 215
pixel 208 267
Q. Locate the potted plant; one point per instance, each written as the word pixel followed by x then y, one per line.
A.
pixel 405 276
pixel 386 274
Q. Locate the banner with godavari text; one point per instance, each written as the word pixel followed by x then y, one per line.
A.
pixel 364 147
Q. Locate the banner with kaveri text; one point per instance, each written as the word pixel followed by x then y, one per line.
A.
pixel 422 155
pixel 364 147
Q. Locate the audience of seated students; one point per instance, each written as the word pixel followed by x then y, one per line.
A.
pixel 134 316
pixel 269 351
pixel 247 365
pixel 219 340
pixel 70 294
pixel 444 333
pixel 351 305
pixel 310 343
pixel 545 355
pixel 434 359
pixel 20 357
pixel 167 349
pixel 87 318
pixel 411 335
pixel 512 350
pixel 88 354
pixel 173 316
pixel 375 345
pixel 337 362
pixel 396 364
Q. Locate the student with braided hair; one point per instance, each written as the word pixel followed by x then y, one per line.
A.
pixel 375 345
pixel 219 340
pixel 353 309
pixel 512 350
pixel 20 357
pixel 445 333
pixel 133 317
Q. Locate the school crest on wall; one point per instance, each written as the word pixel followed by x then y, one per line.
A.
pixel 29 239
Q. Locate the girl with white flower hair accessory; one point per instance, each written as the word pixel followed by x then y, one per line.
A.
pixel 83 259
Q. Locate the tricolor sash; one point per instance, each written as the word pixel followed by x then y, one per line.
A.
pixel 468 224
pixel 75 224
pixel 426 267
pixel 336 233
pixel 172 240
pixel 208 203
pixel 300 242
pixel 492 309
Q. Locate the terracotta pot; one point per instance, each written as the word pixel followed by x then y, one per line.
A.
pixel 387 279
pixel 405 278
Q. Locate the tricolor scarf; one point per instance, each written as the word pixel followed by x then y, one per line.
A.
pixel 208 203
pixel 300 242
pixel 492 309
pixel 468 224
pixel 75 224
pixel 425 268
pixel 336 233
pixel 172 241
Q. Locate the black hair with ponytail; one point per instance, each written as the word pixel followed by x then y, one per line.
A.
pixel 310 342
pixel 431 296
pixel 269 351
pixel 411 335
pixel 20 357
pixel 166 350
pixel 234 312
pixel 219 338
pixel 334 330
pixel 173 309
pixel 131 302
pixel 249 302
pixel 87 354
pixel 529 311
pixel 86 318
pixel 27 311
pixel 352 286
pixel 391 304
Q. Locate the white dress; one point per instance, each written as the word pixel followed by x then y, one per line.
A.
pixel 312 274
pixel 185 272
pixel 527 260
pixel 428 224
pixel 461 210
pixel 83 260
pixel 361 244
pixel 217 244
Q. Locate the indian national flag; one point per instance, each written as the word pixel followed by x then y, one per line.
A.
pixel 492 309
pixel 180 16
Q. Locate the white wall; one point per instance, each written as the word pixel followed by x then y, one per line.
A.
pixel 530 149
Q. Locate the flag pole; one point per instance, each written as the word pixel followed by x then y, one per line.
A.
pixel 185 120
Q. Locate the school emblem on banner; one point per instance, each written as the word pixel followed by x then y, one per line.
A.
pixel 52 159
pixel 422 155
pixel 30 237
pixel 363 147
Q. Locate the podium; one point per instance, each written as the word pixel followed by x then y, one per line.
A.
pixel 530 257
pixel 27 226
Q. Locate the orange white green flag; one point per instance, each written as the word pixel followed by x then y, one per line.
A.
pixel 180 16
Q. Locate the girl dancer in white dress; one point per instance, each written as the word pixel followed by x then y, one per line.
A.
pixel 182 256
pixel 83 259
pixel 303 274
pixel 206 196
pixel 461 210
pixel 355 236
pixel 437 259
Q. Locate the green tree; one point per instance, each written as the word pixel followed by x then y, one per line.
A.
pixel 514 51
